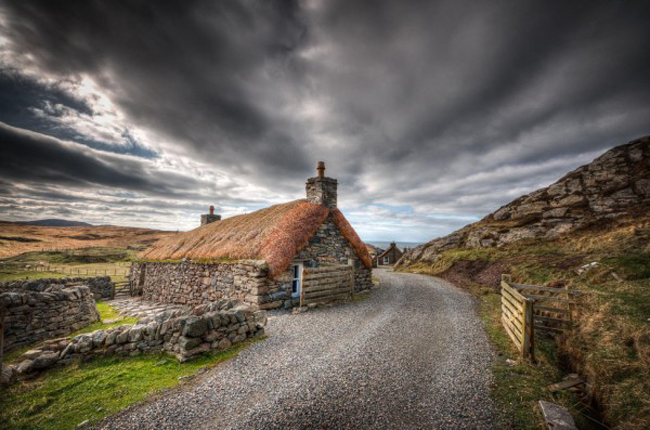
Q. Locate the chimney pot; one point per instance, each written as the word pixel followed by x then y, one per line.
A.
pixel 320 169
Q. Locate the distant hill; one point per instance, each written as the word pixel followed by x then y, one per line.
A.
pixel 613 186
pixel 16 238
pixel 57 223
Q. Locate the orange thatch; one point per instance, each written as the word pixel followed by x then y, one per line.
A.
pixel 352 237
pixel 275 234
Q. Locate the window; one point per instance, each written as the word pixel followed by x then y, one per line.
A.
pixel 386 260
pixel 296 271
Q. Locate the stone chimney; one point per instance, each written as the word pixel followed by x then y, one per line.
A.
pixel 211 217
pixel 322 190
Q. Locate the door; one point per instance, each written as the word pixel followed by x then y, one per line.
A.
pixel 296 282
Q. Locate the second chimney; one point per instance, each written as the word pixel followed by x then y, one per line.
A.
pixel 210 218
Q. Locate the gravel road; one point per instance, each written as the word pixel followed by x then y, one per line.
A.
pixel 411 356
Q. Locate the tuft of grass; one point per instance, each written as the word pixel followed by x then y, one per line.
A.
pixel 64 397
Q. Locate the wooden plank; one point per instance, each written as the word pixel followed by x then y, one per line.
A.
pixel 527 331
pixel 327 299
pixel 511 314
pixel 542 327
pixel 557 320
pixel 546 289
pixel 337 274
pixel 514 293
pixel 547 299
pixel 549 309
pixel 515 326
pixel 515 303
pixel 327 293
pixel 516 306
pixel 324 285
pixel 514 338
pixel 563 385
pixel 330 281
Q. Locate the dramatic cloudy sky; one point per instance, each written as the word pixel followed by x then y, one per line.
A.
pixel 430 114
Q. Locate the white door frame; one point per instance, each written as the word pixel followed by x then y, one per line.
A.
pixel 296 276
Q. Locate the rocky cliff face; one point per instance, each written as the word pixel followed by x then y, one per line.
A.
pixel 614 185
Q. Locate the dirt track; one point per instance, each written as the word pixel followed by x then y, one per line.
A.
pixel 411 356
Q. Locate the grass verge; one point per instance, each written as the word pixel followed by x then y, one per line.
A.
pixel 610 343
pixel 64 397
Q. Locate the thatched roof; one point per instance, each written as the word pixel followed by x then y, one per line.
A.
pixel 275 234
pixel 392 246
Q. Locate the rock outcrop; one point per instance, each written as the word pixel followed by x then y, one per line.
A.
pixel 614 185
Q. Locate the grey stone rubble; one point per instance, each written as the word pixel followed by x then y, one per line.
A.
pixel 556 417
pixel 614 185
pixel 101 286
pixel 413 355
pixel 182 333
pixel 44 312
pixel 134 307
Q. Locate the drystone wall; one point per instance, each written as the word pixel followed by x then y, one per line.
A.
pixel 101 286
pixel 183 334
pixel 193 284
pixel 31 316
pixel 329 246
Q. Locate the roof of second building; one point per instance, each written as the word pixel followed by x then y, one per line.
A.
pixel 392 246
pixel 274 234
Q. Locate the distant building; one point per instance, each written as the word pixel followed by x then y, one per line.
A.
pixel 390 256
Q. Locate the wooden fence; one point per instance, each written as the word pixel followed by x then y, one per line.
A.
pixel 528 308
pixel 120 270
pixel 517 317
pixel 326 284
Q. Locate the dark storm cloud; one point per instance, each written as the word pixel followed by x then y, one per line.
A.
pixel 28 157
pixel 449 106
pixel 184 68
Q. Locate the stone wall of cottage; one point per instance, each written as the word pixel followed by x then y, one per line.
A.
pixel 193 284
pixel 329 246
pixel 183 334
pixel 31 316
pixel 101 286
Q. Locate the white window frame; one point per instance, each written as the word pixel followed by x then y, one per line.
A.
pixel 387 260
pixel 296 277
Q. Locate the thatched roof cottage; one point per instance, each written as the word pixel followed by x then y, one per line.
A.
pixel 289 254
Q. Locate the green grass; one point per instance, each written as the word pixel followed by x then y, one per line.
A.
pixel 610 343
pixel 16 274
pixel 106 312
pixel 69 263
pixel 64 397
pixel 517 388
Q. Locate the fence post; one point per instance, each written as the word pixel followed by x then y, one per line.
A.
pixel 527 331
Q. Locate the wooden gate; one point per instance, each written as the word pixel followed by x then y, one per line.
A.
pixel 527 308
pixel 325 284
pixel 517 317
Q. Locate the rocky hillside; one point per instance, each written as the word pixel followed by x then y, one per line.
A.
pixel 614 185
